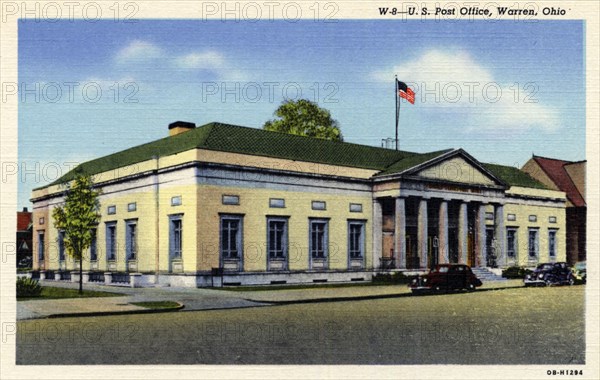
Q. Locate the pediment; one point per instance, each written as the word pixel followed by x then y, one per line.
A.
pixel 457 168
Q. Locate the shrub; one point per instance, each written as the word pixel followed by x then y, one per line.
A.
pixel 26 287
pixel 391 278
pixel 515 272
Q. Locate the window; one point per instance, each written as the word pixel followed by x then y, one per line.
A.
pixel 176 201
pixel 533 218
pixel 131 239
pixel 42 220
pixel 111 210
pixel 111 241
pixel 131 206
pixel 533 243
pixel 93 246
pixel 489 216
pixel 277 238
pixel 356 239
pixel 231 236
pixel 511 242
pixel 276 203
pixel 41 245
pixel 318 240
pixel 319 205
pixel 552 219
pixel 61 245
pixel 552 243
pixel 511 217
pixel 356 207
pixel 175 236
pixel 230 199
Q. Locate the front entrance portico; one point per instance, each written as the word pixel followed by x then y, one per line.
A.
pixel 421 221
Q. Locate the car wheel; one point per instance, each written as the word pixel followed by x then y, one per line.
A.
pixel 548 283
pixel 571 281
pixel 438 289
pixel 471 287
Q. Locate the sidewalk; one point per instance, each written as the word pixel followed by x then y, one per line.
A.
pixel 190 298
pixel 205 298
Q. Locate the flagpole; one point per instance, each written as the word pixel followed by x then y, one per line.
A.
pixel 397 98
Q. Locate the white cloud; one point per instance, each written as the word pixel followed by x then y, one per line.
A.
pixel 138 50
pixel 452 79
pixel 210 60
pixel 147 54
pixel 201 60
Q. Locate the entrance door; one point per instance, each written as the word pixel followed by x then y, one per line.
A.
pixel 470 249
pixel 490 251
pixel 433 247
pixel 387 260
pixel 412 256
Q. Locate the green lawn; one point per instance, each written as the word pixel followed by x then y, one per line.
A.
pixel 49 292
pixel 158 304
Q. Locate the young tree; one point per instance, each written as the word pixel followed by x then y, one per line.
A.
pixel 77 218
pixel 305 118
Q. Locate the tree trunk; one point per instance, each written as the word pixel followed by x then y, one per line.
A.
pixel 80 274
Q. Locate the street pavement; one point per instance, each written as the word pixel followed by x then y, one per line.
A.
pixel 194 299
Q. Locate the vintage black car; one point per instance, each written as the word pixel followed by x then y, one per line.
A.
pixel 445 277
pixel 550 274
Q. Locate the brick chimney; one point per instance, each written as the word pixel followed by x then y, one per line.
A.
pixel 180 127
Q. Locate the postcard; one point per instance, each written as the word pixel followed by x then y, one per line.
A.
pixel 328 189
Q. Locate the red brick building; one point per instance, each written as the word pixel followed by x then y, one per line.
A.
pixel 567 176
pixel 24 237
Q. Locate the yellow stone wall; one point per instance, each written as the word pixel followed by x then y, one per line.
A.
pixel 254 205
pixel 543 213
pixel 145 215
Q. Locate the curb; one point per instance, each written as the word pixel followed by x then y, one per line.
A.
pixel 121 312
pixel 334 299
pixel 359 298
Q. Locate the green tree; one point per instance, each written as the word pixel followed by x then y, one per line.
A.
pixel 77 218
pixel 305 118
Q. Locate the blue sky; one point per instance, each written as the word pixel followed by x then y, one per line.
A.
pixel 500 90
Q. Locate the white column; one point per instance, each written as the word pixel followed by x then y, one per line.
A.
pixel 377 233
pixel 480 259
pixel 500 235
pixel 443 254
pixel 422 232
pixel 400 234
pixel 463 230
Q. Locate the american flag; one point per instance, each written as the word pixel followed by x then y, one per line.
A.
pixel 405 92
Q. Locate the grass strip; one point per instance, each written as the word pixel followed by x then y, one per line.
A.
pixel 49 292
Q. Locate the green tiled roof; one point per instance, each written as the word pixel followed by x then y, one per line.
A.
pixel 236 139
pixel 229 138
pixel 258 142
pixel 514 176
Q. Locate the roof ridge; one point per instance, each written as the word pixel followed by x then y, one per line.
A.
pixel 553 159
pixel 261 130
pixel 574 162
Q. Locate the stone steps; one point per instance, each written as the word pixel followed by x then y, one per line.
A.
pixel 485 274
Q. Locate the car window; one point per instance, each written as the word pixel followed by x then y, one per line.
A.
pixel 443 269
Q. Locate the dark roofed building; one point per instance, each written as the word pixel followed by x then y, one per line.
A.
pixel 567 176
pixel 263 207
